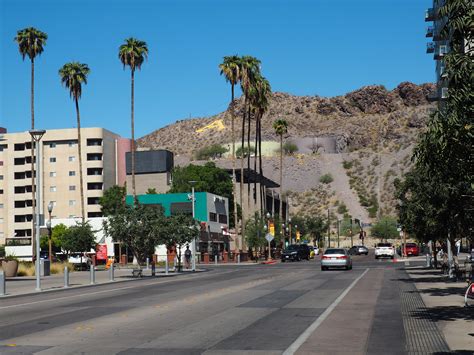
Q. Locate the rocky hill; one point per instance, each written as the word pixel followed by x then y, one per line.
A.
pixel 375 130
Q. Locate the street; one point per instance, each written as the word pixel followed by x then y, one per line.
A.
pixel 246 309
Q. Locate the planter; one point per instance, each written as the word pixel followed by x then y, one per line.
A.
pixel 10 268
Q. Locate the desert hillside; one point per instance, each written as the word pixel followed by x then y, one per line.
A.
pixel 375 130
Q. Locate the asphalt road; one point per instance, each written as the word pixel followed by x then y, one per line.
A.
pixel 258 309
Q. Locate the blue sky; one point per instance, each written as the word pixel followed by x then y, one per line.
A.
pixel 307 47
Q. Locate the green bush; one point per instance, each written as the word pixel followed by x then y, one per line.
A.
pixel 290 148
pixel 213 151
pixel 347 164
pixel 238 152
pixel 342 209
pixel 326 179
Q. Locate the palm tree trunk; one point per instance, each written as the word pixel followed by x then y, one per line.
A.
pixel 281 174
pixel 262 196
pixel 248 157
pixel 234 181
pixel 33 190
pixel 134 192
pixel 242 220
pixel 79 148
pixel 255 155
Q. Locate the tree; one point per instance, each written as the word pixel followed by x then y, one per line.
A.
pixel 73 75
pixel 113 200
pixel 151 191
pixel 281 127
pixel 56 235
pixel 179 230
pixel 315 226
pixel 139 227
pixel 133 53
pixel 31 42
pixel 385 228
pixel 230 68
pixel 211 152
pixel 78 238
pixel 436 195
pixel 208 177
pixel 255 232
pixel 244 152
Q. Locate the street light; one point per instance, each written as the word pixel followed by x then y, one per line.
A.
pixel 36 135
pixel 269 241
pixel 50 231
pixel 193 245
pixel 290 236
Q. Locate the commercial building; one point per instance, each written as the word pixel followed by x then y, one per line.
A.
pixel 212 211
pixel 152 171
pixel 103 165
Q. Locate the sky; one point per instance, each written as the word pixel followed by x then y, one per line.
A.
pixel 307 47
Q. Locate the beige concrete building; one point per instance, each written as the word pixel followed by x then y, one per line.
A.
pixel 103 166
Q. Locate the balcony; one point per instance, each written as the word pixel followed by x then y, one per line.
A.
pixel 430 15
pixel 441 51
pixel 429 31
pixel 430 47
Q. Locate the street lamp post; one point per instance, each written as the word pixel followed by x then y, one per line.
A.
pixel 193 245
pixel 338 233
pixel 291 236
pixel 329 230
pixel 269 241
pixel 50 232
pixel 37 134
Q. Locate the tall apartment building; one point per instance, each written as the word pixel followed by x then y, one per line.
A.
pixel 103 158
pixel 440 47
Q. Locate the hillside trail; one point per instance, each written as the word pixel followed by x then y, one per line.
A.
pixel 332 163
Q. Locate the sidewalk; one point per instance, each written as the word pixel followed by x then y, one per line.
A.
pixel 444 303
pixel 16 286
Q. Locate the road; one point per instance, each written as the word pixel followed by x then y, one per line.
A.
pixel 257 309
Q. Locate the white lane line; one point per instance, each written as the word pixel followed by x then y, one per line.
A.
pixel 185 277
pixel 305 335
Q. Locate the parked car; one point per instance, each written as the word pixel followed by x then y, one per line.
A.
pixel 359 250
pixel 411 249
pixel 295 252
pixel 336 257
pixel 384 250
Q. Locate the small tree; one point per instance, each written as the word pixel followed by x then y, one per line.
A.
pixel 151 191
pixel 211 152
pixel 78 238
pixel 290 148
pixel 113 200
pixel 255 232
pixel 178 230
pixel 139 227
pixel 56 235
pixel 385 228
pixel 315 226
pixel 246 151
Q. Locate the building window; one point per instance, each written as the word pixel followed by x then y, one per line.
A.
pixel 52 160
pixel 1 205
pixel 72 216
pixel 1 192
pixel 72 187
pixel 1 220
pixel 72 143
pixel 72 158
pixel 52 174
pixel 181 207
pixel 52 188
pixel 223 218
pixel 53 203
pixel 212 217
pixel 1 177
pixel 72 202
pixel 52 145
pixel 72 173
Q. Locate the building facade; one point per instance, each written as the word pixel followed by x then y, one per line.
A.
pixel 103 167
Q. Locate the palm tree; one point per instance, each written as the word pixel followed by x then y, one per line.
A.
pixel 30 43
pixel 281 127
pixel 230 68
pixel 249 68
pixel 133 53
pixel 73 75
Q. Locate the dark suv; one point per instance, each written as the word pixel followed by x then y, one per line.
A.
pixel 295 252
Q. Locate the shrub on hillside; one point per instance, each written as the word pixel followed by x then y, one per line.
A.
pixel 347 164
pixel 290 148
pixel 238 152
pixel 342 209
pixel 326 179
pixel 211 152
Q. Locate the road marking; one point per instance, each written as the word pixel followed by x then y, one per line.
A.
pixel 306 334
pixel 103 291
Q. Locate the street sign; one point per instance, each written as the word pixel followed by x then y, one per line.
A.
pixel 269 237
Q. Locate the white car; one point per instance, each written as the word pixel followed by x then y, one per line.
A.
pixel 384 250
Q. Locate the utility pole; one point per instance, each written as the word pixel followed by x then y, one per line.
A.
pixel 329 230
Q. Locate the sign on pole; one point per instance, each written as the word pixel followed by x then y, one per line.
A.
pixel 269 237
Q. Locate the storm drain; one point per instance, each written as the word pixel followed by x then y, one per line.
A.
pixel 422 334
